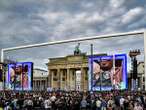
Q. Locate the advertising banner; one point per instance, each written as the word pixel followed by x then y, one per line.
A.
pixel 19 76
pixel 108 72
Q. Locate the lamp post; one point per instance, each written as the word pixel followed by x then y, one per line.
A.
pixel 91 50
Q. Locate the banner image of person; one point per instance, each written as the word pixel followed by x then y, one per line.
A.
pixel 108 72
pixel 19 76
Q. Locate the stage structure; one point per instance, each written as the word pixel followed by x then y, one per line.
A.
pixel 78 40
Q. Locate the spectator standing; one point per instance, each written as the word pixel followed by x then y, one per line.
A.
pixel 122 102
pixel 103 104
pixel 83 104
pixel 29 104
pixel 47 104
pixel 98 104
pixel 138 107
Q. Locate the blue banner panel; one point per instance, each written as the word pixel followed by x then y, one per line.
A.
pixel 107 72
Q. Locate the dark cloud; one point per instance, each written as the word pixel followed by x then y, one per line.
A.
pixel 29 21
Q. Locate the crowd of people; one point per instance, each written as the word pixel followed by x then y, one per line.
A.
pixel 73 100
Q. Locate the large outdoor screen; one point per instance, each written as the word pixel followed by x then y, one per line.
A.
pixel 108 72
pixel 19 76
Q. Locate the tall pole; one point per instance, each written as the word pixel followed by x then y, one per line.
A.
pixel 1 75
pixel 3 70
pixel 145 58
pixel 91 67
pixel 114 85
pixel 2 55
pixel 23 71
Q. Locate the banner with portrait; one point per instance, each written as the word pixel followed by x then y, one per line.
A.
pixel 108 72
pixel 19 76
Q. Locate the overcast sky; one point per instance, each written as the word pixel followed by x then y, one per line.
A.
pixel 36 21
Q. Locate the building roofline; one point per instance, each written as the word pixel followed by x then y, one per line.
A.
pixel 102 54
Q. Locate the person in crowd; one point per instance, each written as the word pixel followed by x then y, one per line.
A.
pixel 29 104
pixel 84 104
pixel 47 104
pixel 98 104
pixel 138 106
pixel 103 104
pixel 43 100
pixel 122 102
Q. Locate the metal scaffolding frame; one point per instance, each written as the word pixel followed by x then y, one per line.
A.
pixel 81 39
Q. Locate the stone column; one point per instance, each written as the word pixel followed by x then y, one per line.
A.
pixel 42 84
pixel 65 82
pixel 86 79
pixel 38 88
pixel 82 78
pixel 39 84
pixel 52 74
pixel 74 72
pixel 45 87
pixel 59 80
pixel 61 72
pixel 49 80
pixel 72 79
pixel 68 79
pixel 46 83
pixel 34 85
